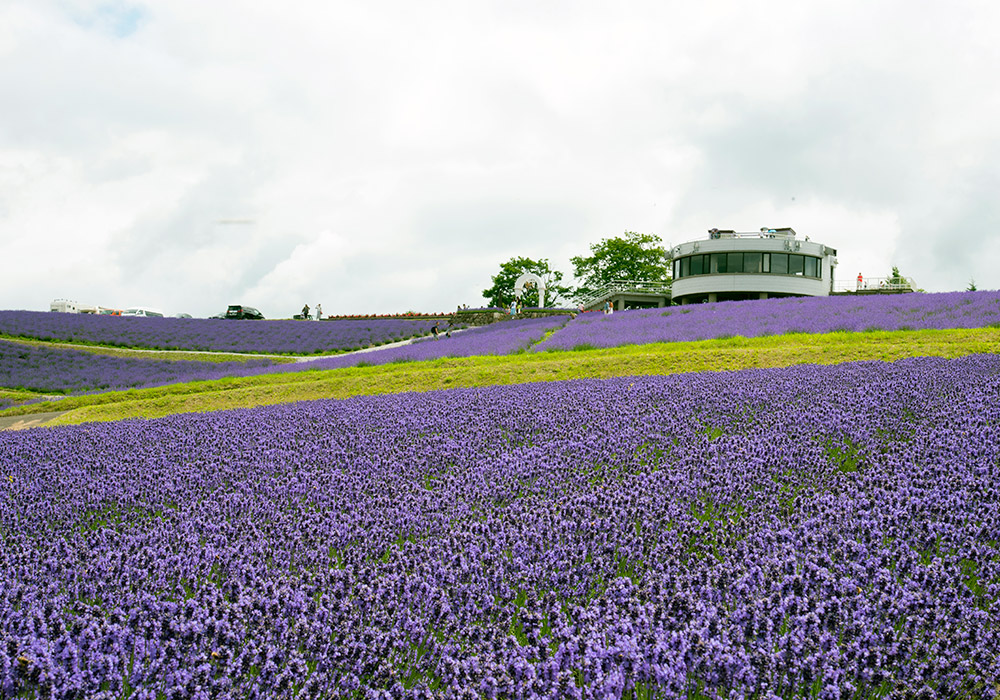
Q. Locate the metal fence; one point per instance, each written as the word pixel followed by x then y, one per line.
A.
pixel 877 284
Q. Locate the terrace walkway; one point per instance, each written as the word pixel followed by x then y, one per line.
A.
pixel 635 293
pixel 876 285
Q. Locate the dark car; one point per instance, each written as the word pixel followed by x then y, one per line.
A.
pixel 237 311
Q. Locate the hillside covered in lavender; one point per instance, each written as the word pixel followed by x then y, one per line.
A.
pixel 61 369
pixel 810 532
pixel 219 335
pixel 502 338
pixel 779 316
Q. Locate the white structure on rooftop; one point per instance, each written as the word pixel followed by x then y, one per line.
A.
pixel 768 263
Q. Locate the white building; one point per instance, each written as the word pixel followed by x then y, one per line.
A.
pixel 729 266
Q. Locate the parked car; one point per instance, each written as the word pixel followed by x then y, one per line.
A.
pixel 243 312
pixel 142 312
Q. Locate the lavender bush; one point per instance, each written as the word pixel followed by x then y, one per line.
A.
pixel 223 335
pixel 827 532
pixel 778 316
pixel 65 370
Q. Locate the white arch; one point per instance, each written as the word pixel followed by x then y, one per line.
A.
pixel 519 286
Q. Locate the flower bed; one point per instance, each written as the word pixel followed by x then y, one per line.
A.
pixel 779 316
pixel 806 532
pixel 223 335
pixel 65 370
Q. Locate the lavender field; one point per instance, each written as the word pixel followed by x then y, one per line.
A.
pixel 778 316
pixel 65 370
pixel 825 532
pixel 502 338
pixel 221 335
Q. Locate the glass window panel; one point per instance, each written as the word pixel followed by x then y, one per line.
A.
pixel 734 262
pixel 685 267
pixel 796 264
pixel 767 262
pixel 779 263
pixel 677 268
pixel 751 262
pixel 696 266
pixel 718 263
pixel 812 267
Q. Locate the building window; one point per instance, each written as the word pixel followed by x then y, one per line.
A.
pixel 697 266
pixel 796 265
pixel 734 262
pixel 718 263
pixel 748 263
pixel 779 263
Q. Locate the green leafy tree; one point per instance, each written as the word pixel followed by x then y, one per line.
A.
pixel 895 277
pixel 502 292
pixel 972 285
pixel 632 256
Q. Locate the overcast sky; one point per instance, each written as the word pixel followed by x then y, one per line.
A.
pixel 385 156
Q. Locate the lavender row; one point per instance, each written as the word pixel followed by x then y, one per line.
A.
pixel 65 370
pixel 501 338
pixel 221 335
pixel 778 316
pixel 807 532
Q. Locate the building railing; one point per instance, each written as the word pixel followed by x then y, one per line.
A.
pixel 717 235
pixel 876 284
pixel 623 287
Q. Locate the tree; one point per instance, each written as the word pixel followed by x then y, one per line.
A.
pixel 972 285
pixel 633 256
pixel 895 277
pixel 501 294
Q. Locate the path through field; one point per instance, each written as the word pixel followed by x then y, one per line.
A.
pixel 32 420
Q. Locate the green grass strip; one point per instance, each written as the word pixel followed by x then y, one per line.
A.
pixel 20 394
pixel 634 360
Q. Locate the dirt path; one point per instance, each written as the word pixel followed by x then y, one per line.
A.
pixel 31 420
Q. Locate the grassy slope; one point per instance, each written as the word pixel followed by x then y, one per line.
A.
pixel 661 358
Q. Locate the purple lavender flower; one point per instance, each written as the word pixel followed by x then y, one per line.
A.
pixel 66 370
pixel 221 335
pixel 811 531
pixel 779 316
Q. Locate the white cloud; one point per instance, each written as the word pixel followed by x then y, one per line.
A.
pixel 311 268
pixel 433 141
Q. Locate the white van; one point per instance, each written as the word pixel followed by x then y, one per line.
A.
pixel 143 312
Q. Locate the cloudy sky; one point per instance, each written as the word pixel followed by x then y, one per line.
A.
pixel 388 155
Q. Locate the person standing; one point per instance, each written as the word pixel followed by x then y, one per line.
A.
pixel 305 312
pixel 860 280
pixel 319 311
